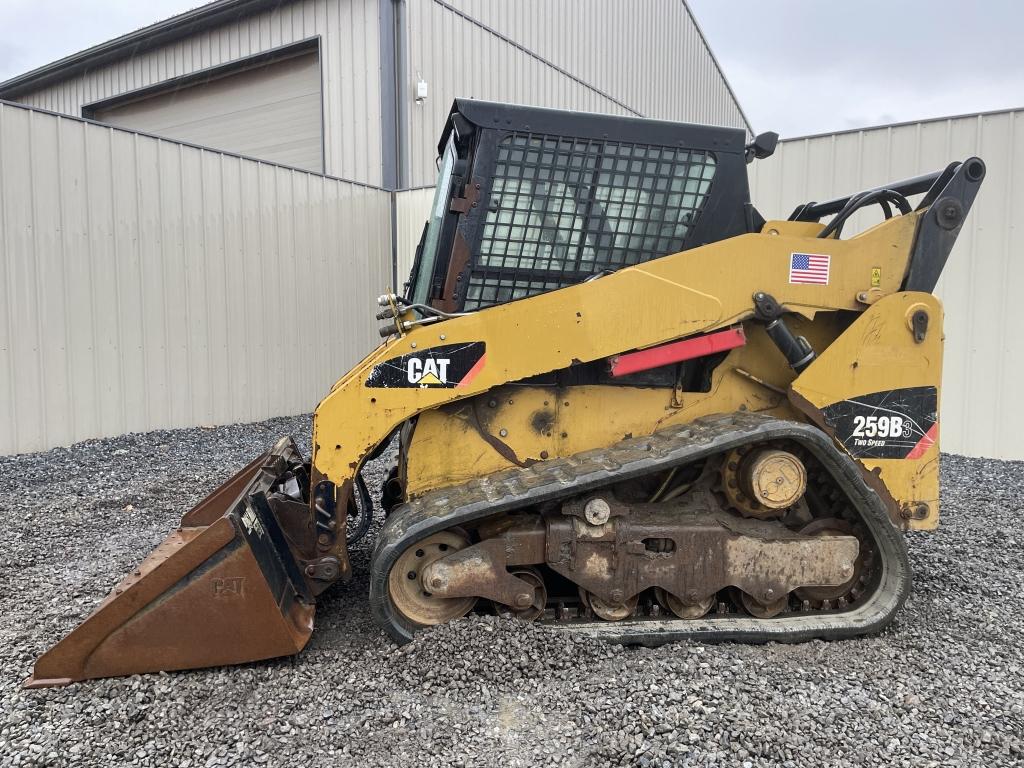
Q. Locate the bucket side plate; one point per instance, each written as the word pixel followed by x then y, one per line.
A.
pixel 222 589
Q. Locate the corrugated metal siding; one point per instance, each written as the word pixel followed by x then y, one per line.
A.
pixel 411 210
pixel 147 284
pixel 350 59
pixel 648 54
pixel 271 112
pixel 984 357
pixel 644 57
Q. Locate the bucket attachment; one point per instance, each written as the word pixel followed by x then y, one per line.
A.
pixel 222 589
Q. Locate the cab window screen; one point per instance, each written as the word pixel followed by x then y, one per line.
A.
pixel 562 209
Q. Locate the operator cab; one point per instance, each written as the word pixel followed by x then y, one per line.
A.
pixel 530 200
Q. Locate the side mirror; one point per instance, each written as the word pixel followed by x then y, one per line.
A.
pixel 762 146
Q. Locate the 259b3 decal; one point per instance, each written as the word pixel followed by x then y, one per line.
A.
pixel 881 427
pixel 447 366
pixel 894 424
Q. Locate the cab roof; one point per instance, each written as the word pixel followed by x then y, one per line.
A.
pixel 590 125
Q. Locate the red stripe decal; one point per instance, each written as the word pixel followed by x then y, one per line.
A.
pixel 472 372
pixel 678 351
pixel 927 441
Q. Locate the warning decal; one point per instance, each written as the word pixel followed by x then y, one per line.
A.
pixel 450 365
pixel 894 424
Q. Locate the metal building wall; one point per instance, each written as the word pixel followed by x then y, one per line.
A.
pixel 272 112
pixel 644 57
pixel 147 284
pixel 411 209
pixel 350 63
pixel 984 278
pixel 648 54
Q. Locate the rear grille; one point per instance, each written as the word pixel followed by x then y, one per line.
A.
pixel 562 209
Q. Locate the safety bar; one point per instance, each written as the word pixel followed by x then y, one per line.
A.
pixel 929 182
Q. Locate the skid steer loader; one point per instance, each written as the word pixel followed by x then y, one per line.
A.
pixel 624 403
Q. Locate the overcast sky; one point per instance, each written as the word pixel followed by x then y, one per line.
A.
pixel 797 66
pixel 816 66
pixel 36 32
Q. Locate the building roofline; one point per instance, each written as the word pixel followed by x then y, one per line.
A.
pixel 718 66
pixel 133 43
pixel 904 123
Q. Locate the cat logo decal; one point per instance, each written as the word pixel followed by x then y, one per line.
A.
pixel 446 366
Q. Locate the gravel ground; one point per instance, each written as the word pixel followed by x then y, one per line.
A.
pixel 942 686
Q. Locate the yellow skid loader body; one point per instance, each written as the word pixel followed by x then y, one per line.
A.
pixel 239 579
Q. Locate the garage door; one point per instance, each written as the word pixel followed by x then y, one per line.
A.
pixel 271 111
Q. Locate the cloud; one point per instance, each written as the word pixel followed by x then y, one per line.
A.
pixel 811 102
pixel 11 55
pixel 802 67
pixel 36 32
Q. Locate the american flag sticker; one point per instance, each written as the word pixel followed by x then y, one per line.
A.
pixel 809 268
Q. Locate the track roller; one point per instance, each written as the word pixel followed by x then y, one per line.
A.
pixel 764 610
pixel 540 597
pixel 682 608
pixel 607 610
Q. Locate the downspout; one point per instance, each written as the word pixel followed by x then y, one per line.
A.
pixel 402 91
pixel 394 242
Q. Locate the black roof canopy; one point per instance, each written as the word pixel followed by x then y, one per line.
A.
pixel 592 125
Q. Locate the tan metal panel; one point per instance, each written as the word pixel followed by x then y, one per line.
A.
pixel 271 112
pixel 75 268
pixel 50 289
pixel 648 54
pixel 20 357
pixel 350 69
pixel 411 210
pixel 148 284
pixel 643 58
pixel 984 357
pixel 510 74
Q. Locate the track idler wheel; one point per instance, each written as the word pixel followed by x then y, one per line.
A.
pixel 409 595
pixel 540 597
pixel 682 608
pixel 763 482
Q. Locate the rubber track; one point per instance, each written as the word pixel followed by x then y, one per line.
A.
pixel 516 488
